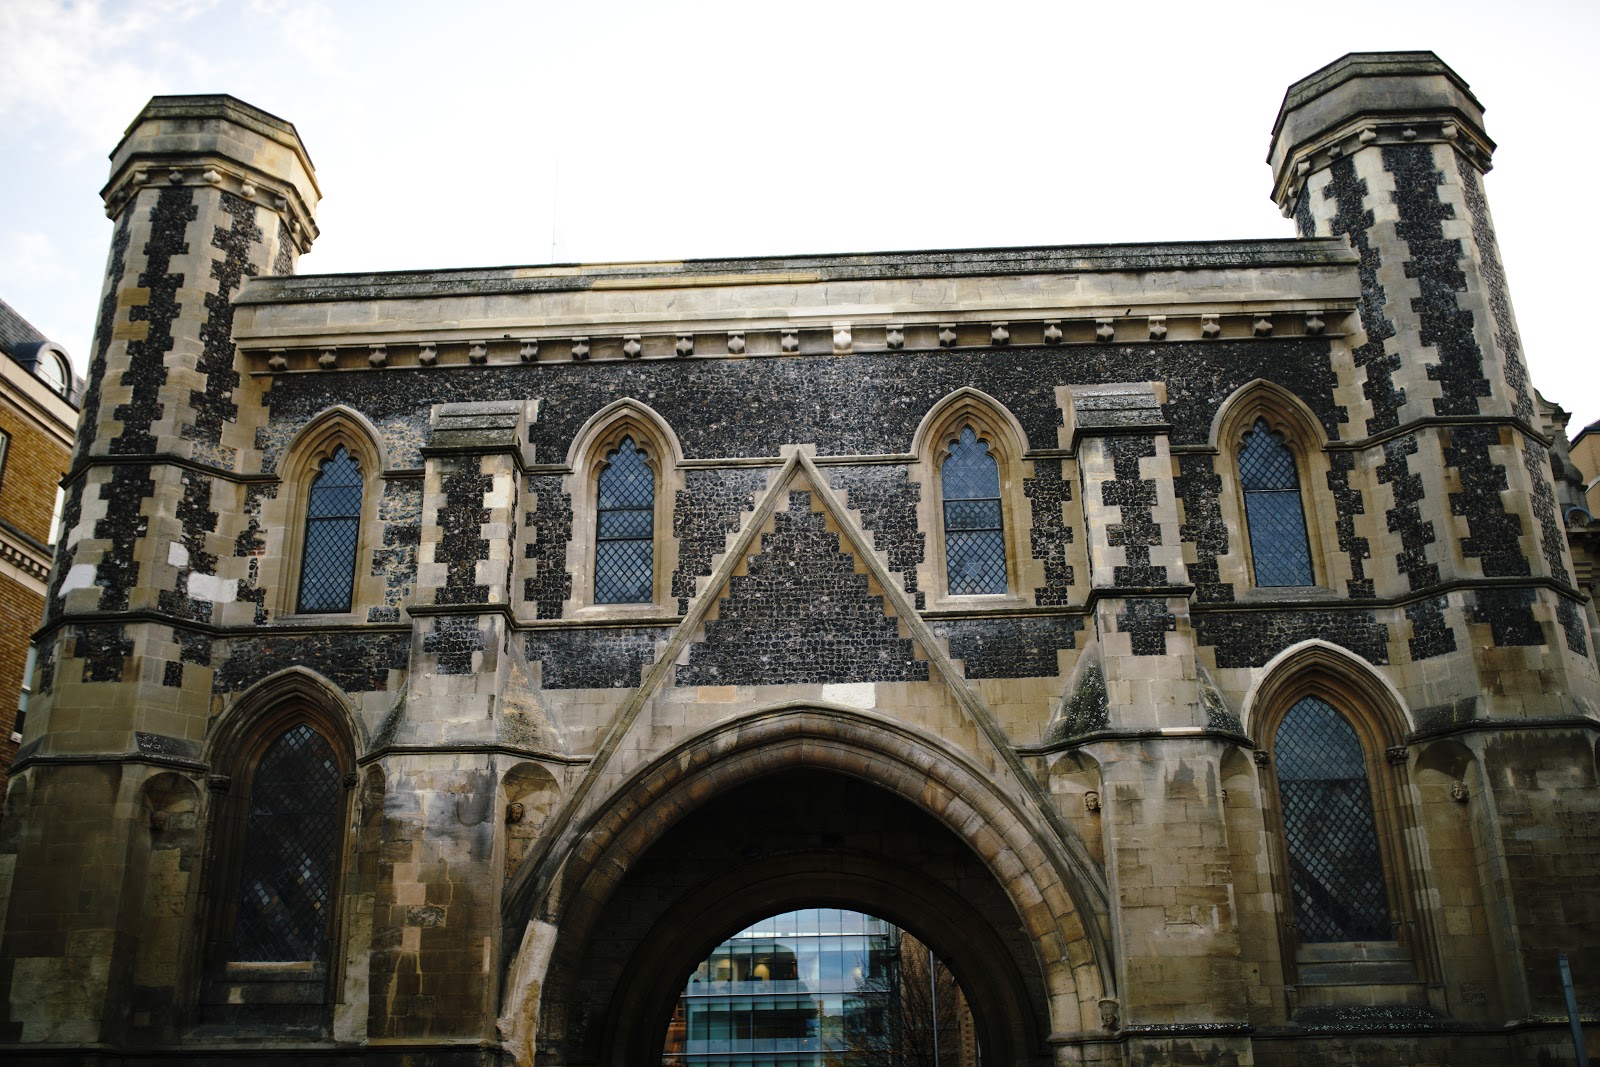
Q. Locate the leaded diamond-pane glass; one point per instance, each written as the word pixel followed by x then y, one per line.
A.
pixel 624 551
pixel 974 534
pixel 333 527
pixel 1273 510
pixel 286 883
pixel 1334 866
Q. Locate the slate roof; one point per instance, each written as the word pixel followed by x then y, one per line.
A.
pixel 16 330
pixel 22 342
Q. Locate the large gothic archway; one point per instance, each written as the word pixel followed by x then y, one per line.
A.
pixel 800 806
pixel 871 852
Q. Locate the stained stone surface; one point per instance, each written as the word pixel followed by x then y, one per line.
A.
pixel 543 803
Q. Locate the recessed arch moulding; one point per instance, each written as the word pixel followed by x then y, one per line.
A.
pixel 1035 959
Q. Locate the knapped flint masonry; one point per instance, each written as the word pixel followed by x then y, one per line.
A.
pixel 1183 641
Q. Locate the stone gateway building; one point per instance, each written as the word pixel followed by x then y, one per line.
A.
pixel 1181 640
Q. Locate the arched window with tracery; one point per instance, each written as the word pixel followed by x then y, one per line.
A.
pixel 290 851
pixel 974 527
pixel 624 551
pixel 332 534
pixel 1335 864
pixel 1274 512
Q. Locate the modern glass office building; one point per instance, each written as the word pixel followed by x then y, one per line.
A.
pixel 805 988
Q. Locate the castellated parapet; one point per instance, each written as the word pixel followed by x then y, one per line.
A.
pixel 1183 641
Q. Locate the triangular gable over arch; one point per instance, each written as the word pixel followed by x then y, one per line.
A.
pixel 800 474
pixel 801 609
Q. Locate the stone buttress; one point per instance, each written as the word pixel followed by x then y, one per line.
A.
pixel 434 973
pixel 1158 753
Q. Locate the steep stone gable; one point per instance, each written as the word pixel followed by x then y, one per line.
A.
pixel 801 614
pixel 886 498
pixel 706 511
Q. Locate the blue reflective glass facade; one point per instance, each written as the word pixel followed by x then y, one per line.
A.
pixel 794 990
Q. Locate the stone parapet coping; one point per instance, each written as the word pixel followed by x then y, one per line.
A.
pixel 1354 65
pixel 790 270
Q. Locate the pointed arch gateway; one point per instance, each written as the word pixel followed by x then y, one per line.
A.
pixel 566 951
pixel 612 920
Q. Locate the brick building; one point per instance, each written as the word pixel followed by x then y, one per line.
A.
pixel 1183 641
pixel 38 417
pixel 1586 456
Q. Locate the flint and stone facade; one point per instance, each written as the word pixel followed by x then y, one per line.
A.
pixel 549 807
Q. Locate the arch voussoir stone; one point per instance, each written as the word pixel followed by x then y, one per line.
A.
pixel 1018 853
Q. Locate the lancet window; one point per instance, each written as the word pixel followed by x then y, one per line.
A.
pixel 332 534
pixel 974 530
pixel 624 555
pixel 286 882
pixel 1274 511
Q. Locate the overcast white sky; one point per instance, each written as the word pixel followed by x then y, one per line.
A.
pixel 705 127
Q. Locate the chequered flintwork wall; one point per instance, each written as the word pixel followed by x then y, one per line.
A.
pixel 551 805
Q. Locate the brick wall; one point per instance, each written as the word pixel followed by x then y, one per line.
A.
pixel 34 462
pixel 21 609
